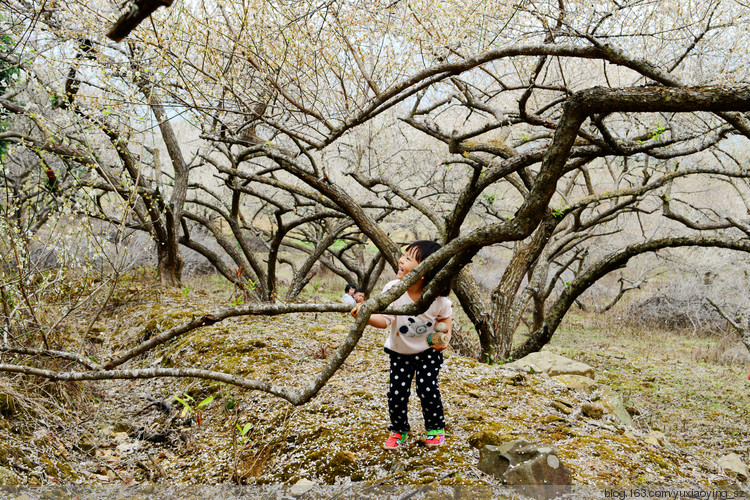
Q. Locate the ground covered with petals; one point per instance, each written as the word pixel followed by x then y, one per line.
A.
pixel 175 431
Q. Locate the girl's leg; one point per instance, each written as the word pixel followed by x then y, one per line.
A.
pixel 427 368
pixel 399 390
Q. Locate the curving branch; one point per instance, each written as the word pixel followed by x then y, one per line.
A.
pixel 616 260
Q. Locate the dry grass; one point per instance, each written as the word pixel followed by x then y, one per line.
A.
pixel 691 387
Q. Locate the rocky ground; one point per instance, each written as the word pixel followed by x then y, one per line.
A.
pixel 660 411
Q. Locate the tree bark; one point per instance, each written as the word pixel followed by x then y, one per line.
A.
pixel 503 315
pixel 469 295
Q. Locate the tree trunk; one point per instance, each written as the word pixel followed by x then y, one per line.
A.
pixel 170 262
pixel 505 311
pixel 467 290
pixel 502 319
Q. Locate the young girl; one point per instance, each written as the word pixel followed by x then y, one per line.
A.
pixel 407 345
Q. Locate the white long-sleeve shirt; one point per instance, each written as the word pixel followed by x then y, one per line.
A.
pixel 408 334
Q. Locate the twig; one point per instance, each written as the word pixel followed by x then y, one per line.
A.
pixel 724 315
pixel 6 311
pixel 98 313
pixel 49 353
pixel 22 288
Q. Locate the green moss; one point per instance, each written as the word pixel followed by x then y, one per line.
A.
pixel 549 419
pixel 10 454
pixel 368 396
pixel 343 459
pixel 567 455
pixel 483 437
pixel 328 410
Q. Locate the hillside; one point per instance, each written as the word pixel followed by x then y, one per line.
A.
pixel 127 432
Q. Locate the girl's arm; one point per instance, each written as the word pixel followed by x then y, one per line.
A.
pixel 376 320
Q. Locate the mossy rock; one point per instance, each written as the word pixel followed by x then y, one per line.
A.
pixel 481 438
pixel 343 464
pixel 10 454
pixel 550 419
pixel 7 478
pixel 87 444
pixel 343 459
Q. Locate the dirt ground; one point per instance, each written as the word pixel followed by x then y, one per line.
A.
pixel 177 432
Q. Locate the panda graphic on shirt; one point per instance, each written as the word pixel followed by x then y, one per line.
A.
pixel 414 329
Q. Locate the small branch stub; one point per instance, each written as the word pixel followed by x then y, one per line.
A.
pixel 131 18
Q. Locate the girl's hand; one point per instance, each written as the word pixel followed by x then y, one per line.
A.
pixel 442 347
pixel 376 320
pixel 355 311
pixel 443 331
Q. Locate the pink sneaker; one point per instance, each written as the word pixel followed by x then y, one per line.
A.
pixel 395 441
pixel 435 438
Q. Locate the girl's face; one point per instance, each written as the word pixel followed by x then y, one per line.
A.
pixel 406 263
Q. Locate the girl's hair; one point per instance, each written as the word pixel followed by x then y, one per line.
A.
pixel 421 250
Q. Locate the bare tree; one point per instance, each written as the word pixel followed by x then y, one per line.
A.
pixel 553 140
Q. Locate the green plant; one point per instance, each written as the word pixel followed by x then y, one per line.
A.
pixel 243 431
pixel 655 135
pixel 241 439
pixel 490 357
pixel 187 408
pixel 237 301
pixel 185 291
pixel 560 212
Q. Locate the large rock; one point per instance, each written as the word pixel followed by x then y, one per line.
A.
pixel 535 470
pixel 733 462
pixel 550 363
pixel 579 383
pixel 612 402
pixel 301 487
pixel 602 394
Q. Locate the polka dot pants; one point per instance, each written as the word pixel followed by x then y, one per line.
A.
pixel 424 368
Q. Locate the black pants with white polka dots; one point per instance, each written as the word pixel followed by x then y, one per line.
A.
pixel 424 368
